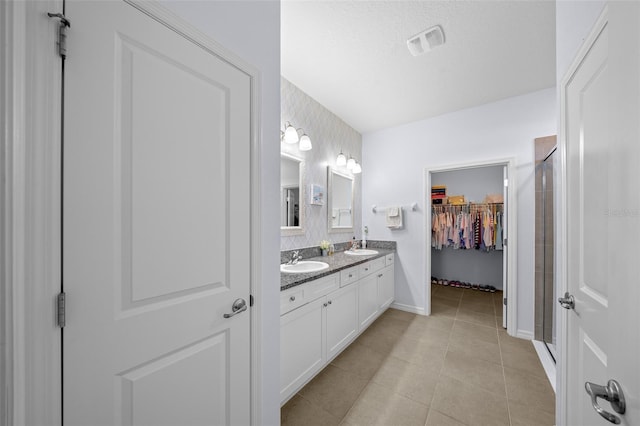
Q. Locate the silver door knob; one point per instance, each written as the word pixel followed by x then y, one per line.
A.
pixel 568 301
pixel 240 305
pixel 612 393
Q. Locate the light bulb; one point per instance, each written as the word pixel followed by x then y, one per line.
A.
pixel 290 134
pixel 351 163
pixel 305 143
pixel 357 168
pixel 341 160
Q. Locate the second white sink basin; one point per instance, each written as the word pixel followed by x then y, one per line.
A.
pixel 361 252
pixel 304 266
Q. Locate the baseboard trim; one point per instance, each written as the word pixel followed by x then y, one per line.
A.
pixel 547 362
pixel 524 334
pixel 408 308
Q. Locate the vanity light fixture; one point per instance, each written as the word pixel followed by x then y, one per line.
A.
pixel 351 163
pixel 290 135
pixel 305 143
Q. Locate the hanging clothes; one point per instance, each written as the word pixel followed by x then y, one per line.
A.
pixel 474 226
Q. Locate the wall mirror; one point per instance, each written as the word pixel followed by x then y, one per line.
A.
pixel 291 195
pixel 340 204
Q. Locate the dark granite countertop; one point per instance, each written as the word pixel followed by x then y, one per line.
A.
pixel 337 262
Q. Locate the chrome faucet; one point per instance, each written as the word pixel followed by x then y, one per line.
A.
pixel 354 245
pixel 295 258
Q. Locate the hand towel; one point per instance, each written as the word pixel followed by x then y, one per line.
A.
pixel 394 217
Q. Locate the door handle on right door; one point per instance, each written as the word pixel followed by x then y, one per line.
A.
pixel 568 301
pixel 612 393
pixel 240 305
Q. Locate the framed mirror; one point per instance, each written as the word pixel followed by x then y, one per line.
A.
pixel 340 201
pixel 291 195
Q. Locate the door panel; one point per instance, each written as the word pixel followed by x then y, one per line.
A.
pixel 587 166
pixel 600 121
pixel 367 300
pixel 156 225
pixel 302 346
pixel 341 319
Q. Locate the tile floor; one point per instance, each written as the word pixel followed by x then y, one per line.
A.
pixel 457 367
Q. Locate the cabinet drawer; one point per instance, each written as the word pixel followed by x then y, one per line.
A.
pixel 291 299
pixel 388 259
pixel 371 267
pixel 348 276
pixel 322 287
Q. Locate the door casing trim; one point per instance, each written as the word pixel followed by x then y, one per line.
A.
pixel 512 264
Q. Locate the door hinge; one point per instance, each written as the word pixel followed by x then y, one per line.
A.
pixel 504 301
pixel 250 300
pixel 504 243
pixel 62 309
pixel 62 33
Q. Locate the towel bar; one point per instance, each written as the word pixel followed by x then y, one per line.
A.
pixel 413 207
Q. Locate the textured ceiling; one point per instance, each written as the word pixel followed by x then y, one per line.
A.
pixel 351 56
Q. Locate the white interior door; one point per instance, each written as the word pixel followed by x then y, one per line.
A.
pixel 600 122
pixel 156 225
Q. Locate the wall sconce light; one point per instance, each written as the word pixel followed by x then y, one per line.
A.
pixel 351 163
pixel 290 135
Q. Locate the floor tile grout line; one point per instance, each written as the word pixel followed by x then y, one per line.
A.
pixel 504 376
pixel 440 372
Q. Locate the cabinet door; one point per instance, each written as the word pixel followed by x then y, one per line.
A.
pixel 341 319
pixel 386 290
pixel 367 300
pixel 301 346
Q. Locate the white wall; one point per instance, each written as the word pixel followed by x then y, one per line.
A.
pixel 251 29
pixel 394 161
pixel 574 20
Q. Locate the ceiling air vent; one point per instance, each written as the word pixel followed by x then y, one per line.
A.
pixel 425 41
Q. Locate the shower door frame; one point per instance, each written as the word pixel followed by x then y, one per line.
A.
pixel 543 163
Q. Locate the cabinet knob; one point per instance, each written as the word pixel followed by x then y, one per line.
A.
pixel 380 275
pixel 329 302
pixel 350 276
pixel 292 298
pixel 325 305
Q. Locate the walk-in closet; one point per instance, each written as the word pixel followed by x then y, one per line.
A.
pixel 468 231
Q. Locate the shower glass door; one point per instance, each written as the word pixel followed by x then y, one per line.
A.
pixel 549 177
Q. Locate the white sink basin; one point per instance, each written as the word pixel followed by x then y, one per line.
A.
pixel 360 252
pixel 304 266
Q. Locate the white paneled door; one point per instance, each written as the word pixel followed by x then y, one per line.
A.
pixel 156 225
pixel 601 112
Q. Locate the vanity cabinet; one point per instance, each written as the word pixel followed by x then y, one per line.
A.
pixel 367 300
pixel 386 283
pixel 302 346
pixel 341 319
pixel 319 319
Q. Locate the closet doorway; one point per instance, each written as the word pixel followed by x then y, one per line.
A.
pixel 471 234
